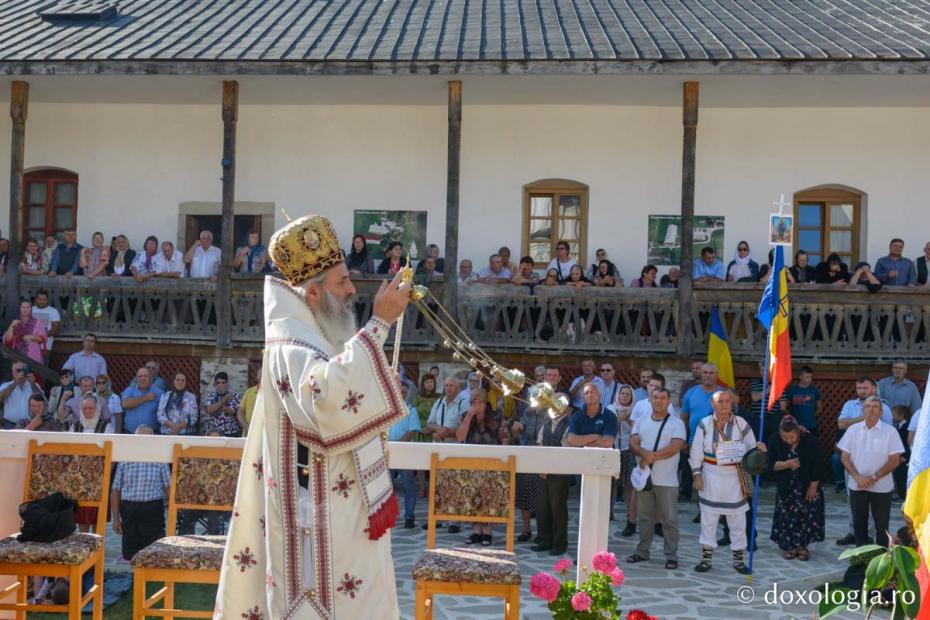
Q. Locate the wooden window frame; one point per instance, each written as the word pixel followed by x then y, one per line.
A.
pixel 52 177
pixel 826 198
pixel 557 188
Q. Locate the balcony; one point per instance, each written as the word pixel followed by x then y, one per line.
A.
pixel 826 323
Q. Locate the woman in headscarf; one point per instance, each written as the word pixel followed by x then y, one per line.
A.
pixel 104 388
pixel 89 422
pixel 94 259
pixel 34 263
pixel 27 334
pixel 177 409
pixel 122 259
pixel 576 278
pixel 799 505
pixel 359 262
pixel 622 408
pixel 832 271
pixel 143 267
pixel 742 268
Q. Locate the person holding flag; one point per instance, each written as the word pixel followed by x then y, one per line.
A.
pixel 773 315
pixel 917 504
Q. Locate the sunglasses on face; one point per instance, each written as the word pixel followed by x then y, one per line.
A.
pixel 101 382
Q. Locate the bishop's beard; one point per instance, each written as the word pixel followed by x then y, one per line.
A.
pixel 336 319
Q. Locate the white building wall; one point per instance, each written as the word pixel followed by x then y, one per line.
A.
pixel 137 163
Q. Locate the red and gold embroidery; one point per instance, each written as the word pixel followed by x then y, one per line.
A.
pixel 353 401
pixel 245 559
pixel 349 585
pixel 253 614
pixel 343 486
pixel 284 386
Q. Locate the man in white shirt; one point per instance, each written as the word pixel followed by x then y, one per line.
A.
pixel 14 396
pixel 447 412
pixel 204 257
pixel 644 407
pixel 587 376
pixel 611 385
pixel 850 414
pixel 169 263
pixel 660 452
pixel 871 450
pixel 50 317
pixel 563 261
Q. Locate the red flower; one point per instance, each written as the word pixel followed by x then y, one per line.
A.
pixel 545 586
pixel 639 614
pixel 604 562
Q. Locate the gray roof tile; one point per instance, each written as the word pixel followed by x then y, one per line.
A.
pixel 465 30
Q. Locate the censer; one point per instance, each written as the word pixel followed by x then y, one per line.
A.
pixel 509 380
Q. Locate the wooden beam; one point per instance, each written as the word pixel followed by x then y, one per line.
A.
pixel 453 166
pixel 689 109
pixel 19 110
pixel 471 67
pixel 224 287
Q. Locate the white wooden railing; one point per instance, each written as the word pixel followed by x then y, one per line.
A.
pixel 595 465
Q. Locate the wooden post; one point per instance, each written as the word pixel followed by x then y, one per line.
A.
pixel 19 110
pixel 223 301
pixel 450 272
pixel 685 283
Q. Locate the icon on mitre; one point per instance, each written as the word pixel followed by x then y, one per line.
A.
pixel 311 240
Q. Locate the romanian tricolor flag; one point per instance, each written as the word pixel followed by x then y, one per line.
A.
pixel 917 505
pixel 718 351
pixel 773 314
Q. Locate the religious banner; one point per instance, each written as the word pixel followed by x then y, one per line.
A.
pixel 781 229
pixel 664 244
pixel 381 228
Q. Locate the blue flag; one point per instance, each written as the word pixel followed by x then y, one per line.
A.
pixel 768 307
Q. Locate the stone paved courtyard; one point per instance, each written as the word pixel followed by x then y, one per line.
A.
pixel 670 595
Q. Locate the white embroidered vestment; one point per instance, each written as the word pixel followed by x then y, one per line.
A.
pixel 328 556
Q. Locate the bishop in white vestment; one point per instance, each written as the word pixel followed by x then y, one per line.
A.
pixel 327 392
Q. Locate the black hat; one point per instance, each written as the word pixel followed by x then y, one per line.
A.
pixel 755 462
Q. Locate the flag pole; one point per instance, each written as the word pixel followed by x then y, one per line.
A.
pixel 755 490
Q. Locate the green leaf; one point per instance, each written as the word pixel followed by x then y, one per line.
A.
pixel 833 604
pixel 879 571
pixel 905 565
pixel 858 551
pixel 908 600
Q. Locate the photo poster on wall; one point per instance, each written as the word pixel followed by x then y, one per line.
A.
pixel 664 244
pixel 381 228
pixel 781 229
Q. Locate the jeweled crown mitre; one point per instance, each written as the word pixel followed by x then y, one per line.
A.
pixel 305 248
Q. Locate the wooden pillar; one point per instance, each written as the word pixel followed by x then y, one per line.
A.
pixel 19 110
pixel 223 300
pixel 451 270
pixel 685 282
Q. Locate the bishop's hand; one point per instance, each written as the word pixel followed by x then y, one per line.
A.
pixel 391 299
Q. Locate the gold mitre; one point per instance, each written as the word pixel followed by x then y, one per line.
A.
pixel 305 248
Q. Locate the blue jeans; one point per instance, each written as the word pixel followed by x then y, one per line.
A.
pixel 409 483
pixel 839 472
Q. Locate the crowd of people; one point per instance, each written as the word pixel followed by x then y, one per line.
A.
pixel 202 260
pixel 68 258
pixel 676 447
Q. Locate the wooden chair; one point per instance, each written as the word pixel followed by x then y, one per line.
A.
pixel 476 490
pixel 201 479
pixel 81 472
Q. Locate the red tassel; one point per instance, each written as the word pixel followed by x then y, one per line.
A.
pixel 384 518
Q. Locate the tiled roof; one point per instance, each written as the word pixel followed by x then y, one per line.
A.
pixel 404 31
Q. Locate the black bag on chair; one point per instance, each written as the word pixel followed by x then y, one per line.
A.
pixel 47 519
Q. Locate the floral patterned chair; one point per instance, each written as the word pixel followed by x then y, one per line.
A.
pixel 81 472
pixel 475 490
pixel 201 479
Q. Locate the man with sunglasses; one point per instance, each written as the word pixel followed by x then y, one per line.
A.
pixel 14 396
pixel 611 385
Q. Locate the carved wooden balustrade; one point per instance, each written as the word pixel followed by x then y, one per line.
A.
pixel 826 323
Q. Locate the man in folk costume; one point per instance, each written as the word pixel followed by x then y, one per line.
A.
pixel 309 532
pixel 717 447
